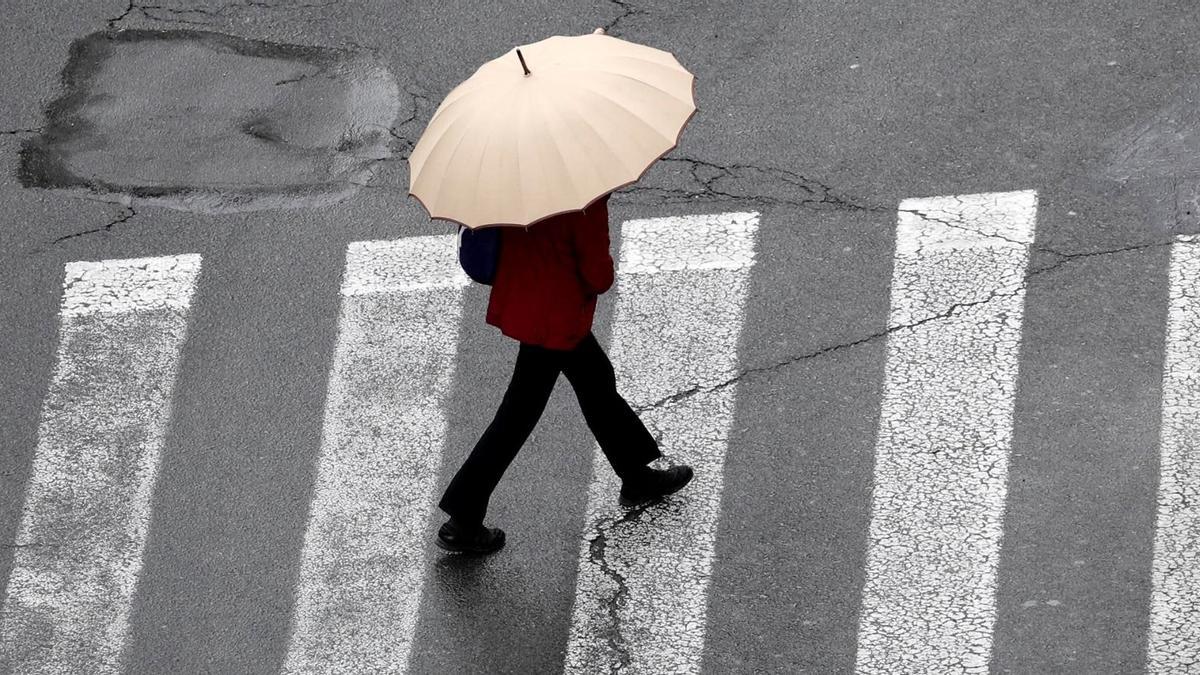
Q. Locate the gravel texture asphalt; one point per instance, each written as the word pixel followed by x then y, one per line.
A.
pixel 821 117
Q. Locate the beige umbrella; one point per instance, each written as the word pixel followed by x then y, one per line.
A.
pixel 548 128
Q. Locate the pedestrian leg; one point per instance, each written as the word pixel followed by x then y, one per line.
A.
pixel 625 441
pixel 533 379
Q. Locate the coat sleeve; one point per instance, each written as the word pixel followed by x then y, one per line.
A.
pixel 590 242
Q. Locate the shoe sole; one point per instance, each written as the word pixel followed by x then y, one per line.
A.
pixel 468 551
pixel 650 500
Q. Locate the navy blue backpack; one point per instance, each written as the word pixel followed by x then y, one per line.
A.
pixel 479 253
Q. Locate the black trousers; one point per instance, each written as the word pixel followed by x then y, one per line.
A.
pixel 623 438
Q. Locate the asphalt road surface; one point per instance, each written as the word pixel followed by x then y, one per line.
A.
pixel 916 294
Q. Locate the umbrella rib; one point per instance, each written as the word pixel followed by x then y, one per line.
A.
pixel 479 170
pixel 603 144
pixel 630 113
pixel 647 84
pixel 435 142
pixel 476 89
pixel 457 120
pixel 675 68
pixel 672 69
pixel 565 169
pixel 517 160
pixel 454 153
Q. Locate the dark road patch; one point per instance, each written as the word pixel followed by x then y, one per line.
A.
pixel 212 123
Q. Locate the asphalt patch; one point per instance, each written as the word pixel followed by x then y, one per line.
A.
pixel 212 123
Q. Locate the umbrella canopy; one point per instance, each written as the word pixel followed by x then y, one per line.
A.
pixel 549 127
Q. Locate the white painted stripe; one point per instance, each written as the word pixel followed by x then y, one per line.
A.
pixel 703 248
pixel 945 433
pixel 640 598
pixel 129 285
pixel 414 263
pixel 1174 635
pixel 381 449
pixel 87 507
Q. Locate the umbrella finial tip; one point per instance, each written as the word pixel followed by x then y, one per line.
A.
pixel 519 56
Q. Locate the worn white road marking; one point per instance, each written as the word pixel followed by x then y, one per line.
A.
pixel 643 575
pixel 941 455
pixel 1174 635
pixel 87 507
pixel 381 448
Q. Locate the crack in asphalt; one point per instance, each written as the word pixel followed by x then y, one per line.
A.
pixel 1041 249
pixel 1064 258
pixel 923 215
pixel 813 192
pixel 34 130
pixel 613 604
pixel 104 228
pixel 174 14
pixel 1067 257
pixel 627 10
pixel 407 144
pixel 419 101
pixel 303 76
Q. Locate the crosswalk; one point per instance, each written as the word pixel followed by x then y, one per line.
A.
pixel 381 445
pixel 122 326
pixel 1174 635
pixel 645 578
pixel 945 426
pixel 940 476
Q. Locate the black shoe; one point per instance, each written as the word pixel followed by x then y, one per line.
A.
pixel 475 539
pixel 659 483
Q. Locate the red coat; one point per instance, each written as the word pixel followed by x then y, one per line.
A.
pixel 549 276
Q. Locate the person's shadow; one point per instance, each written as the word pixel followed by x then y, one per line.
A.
pixel 484 611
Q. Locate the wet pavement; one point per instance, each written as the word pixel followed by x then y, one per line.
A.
pixel 268 138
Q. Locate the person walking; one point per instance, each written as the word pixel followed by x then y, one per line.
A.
pixel 548 278
pixel 534 143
